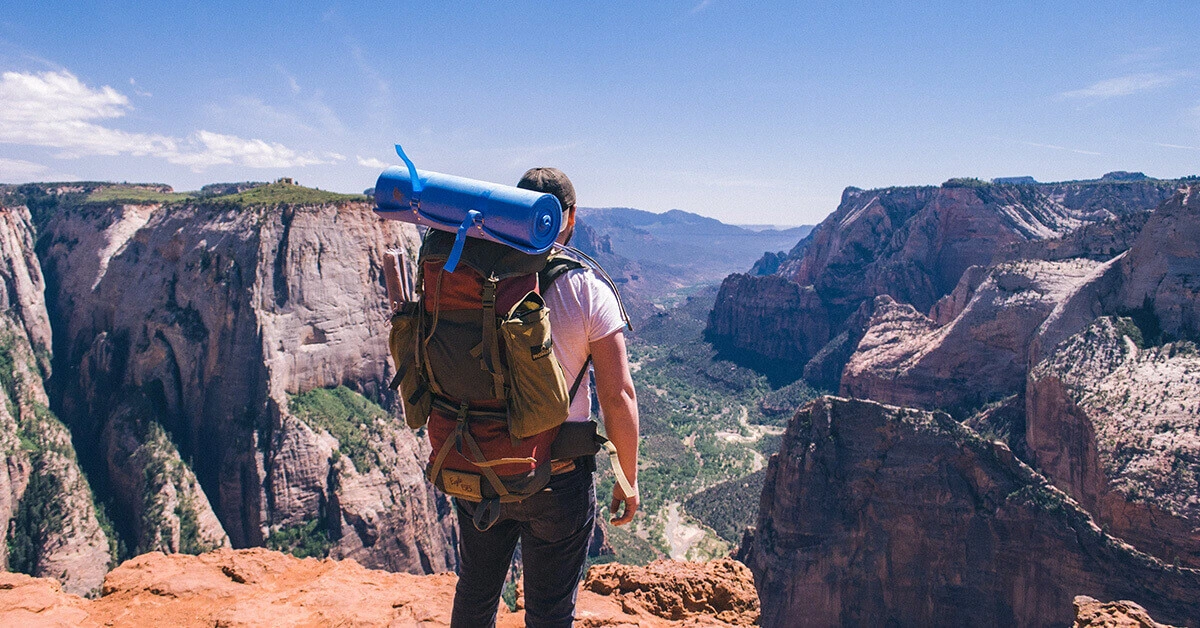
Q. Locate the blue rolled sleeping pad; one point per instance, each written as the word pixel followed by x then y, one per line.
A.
pixel 523 219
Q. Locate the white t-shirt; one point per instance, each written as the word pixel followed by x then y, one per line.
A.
pixel 583 309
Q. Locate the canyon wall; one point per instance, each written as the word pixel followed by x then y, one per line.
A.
pixel 186 332
pixel 1092 365
pixel 877 515
pixel 46 504
pixel 912 244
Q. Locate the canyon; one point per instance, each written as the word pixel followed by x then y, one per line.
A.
pixel 212 359
pixel 1074 355
pixel 1015 421
pixel 912 244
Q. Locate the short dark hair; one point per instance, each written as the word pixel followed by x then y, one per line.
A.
pixel 550 181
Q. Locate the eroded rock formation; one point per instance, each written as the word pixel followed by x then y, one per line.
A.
pixel 207 318
pixel 913 244
pixel 1118 427
pixel 979 356
pixel 1092 613
pixel 46 505
pixel 877 515
pixel 257 587
pixel 1087 367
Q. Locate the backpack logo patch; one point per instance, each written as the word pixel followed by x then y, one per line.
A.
pixel 540 352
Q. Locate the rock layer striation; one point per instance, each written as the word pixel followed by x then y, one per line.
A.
pixel 207 319
pixel 912 244
pixel 46 504
pixel 877 515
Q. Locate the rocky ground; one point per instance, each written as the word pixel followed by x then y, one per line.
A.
pixel 259 587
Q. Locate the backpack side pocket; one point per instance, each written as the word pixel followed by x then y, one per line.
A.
pixel 537 395
pixel 402 341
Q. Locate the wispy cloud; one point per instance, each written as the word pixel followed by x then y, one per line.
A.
pixel 1179 146
pixel 310 116
pixel 372 163
pixel 702 5
pixel 379 101
pixel 1078 151
pixel 57 110
pixel 138 90
pixel 20 171
pixel 1123 86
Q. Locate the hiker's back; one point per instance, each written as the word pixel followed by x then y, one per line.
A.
pixel 477 363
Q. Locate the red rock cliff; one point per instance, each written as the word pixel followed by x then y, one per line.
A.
pixel 876 515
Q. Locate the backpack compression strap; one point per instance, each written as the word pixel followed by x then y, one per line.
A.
pixel 557 267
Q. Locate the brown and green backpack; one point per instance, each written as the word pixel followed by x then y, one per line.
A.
pixel 476 368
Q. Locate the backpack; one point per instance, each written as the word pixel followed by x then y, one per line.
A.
pixel 476 367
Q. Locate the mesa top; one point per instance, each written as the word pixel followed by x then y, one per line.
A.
pixel 583 309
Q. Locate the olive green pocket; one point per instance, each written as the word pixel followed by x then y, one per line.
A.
pixel 402 341
pixel 537 396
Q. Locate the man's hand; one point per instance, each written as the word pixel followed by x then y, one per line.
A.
pixel 631 506
pixel 618 407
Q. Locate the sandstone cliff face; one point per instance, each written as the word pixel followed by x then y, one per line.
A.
pixel 913 244
pixel 767 316
pixel 46 508
pixel 1118 427
pixel 979 356
pixel 1107 419
pixel 1161 272
pixel 205 319
pixel 1111 421
pixel 876 515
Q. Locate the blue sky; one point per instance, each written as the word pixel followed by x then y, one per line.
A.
pixel 749 112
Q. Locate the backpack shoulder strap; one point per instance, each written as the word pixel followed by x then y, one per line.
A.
pixel 556 267
pixel 595 266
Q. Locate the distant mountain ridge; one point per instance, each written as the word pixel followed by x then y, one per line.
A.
pixel 696 248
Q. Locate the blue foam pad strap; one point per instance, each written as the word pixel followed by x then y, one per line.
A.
pixel 417 186
pixel 460 239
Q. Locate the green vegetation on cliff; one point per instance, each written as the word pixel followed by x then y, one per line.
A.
pixel 304 540
pixel 352 419
pixel 162 469
pixel 39 517
pixel 136 195
pixel 282 193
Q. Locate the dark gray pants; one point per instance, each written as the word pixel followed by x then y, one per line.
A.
pixel 554 528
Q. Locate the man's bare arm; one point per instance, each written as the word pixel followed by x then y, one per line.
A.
pixel 618 406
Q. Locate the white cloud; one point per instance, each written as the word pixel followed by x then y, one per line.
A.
pixel 57 110
pixel 1123 86
pixel 372 163
pixel 12 170
pixel 214 148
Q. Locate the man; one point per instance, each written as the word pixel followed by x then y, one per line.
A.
pixel 555 525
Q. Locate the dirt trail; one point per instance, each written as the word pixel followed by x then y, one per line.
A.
pixel 680 535
pixel 756 432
